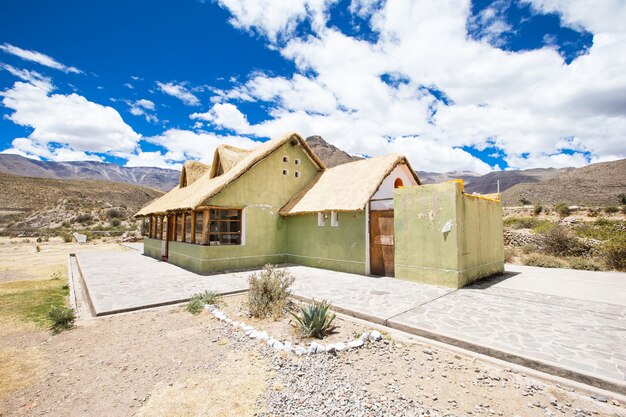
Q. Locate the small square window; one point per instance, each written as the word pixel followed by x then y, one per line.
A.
pixel 334 219
pixel 285 172
pixel 297 162
pixel 297 174
pixel 321 219
pixel 285 159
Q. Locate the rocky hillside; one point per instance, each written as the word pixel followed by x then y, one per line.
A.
pixel 44 203
pixel 329 154
pixel 488 183
pixel 595 184
pixel 161 179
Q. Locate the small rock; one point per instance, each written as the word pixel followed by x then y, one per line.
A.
pixel 427 351
pixel 300 351
pixel 356 343
pixel 375 336
pixel 277 345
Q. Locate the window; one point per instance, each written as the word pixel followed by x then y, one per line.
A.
pixel 225 227
pixel 321 219
pixel 199 218
pixel 297 174
pixel 334 219
pixel 179 227
pixel 398 183
pixel 285 159
pixel 297 161
pixel 188 227
pixel 285 172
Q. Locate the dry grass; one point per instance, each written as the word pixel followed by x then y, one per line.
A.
pixel 19 368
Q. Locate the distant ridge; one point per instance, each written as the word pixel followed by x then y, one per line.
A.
pixel 329 154
pixel 157 178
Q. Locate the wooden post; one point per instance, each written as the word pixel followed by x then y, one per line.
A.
pixel 193 227
pixel 174 229
pixel 205 226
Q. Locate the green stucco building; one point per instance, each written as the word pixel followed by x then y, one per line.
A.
pixel 278 203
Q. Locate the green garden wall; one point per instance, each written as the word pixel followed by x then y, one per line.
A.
pixel 340 248
pixel 472 249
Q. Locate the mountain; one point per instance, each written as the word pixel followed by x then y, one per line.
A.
pixel 329 154
pixel 595 184
pixel 488 183
pixel 435 177
pixel 158 178
pixel 28 202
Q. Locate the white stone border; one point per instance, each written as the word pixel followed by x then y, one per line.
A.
pixel 286 346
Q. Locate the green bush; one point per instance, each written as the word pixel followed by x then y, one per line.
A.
pixel 524 201
pixel 543 261
pixel 314 319
pixel 520 222
pixel 611 209
pixel 67 238
pixel 208 297
pixel 83 219
pixel 586 264
pixel 601 229
pixel 114 222
pixel 62 318
pixel 195 305
pixel 537 209
pixel 615 253
pixel 114 214
pixel 562 209
pixel 269 292
pixel 558 241
pixel 622 199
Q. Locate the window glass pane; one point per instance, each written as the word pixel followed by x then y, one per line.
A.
pixel 188 228
pixel 199 227
pixel 223 239
pixel 179 227
pixel 225 227
pixel 225 214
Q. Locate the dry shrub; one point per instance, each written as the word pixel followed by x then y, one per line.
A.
pixel 558 241
pixel 563 209
pixel 269 292
pixel 509 254
pixel 543 261
pixel 615 253
pixel 585 264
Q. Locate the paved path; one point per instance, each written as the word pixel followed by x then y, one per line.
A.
pixel 551 320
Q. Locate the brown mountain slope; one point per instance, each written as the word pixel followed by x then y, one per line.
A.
pixel 45 202
pixel 596 184
pixel 329 154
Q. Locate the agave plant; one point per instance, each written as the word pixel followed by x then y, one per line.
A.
pixel 314 319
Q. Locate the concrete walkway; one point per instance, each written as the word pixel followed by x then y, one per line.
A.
pixel 551 320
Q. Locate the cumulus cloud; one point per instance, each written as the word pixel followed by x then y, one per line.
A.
pixel 33 149
pixel 375 97
pixel 38 58
pixel 180 92
pixel 65 126
pixel 143 107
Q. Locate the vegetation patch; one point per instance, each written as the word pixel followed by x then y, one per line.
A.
pixel 62 318
pixel 315 319
pixel 543 261
pixel 615 253
pixel 560 242
pixel 601 229
pixel 269 292
pixel 32 300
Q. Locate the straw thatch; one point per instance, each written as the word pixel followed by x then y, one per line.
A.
pixel 346 187
pixel 205 187
pixel 225 158
pixel 192 170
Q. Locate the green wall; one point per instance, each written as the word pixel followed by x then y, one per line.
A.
pixel 261 192
pixel 340 248
pixel 472 249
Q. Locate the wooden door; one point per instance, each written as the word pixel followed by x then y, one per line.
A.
pixel 382 247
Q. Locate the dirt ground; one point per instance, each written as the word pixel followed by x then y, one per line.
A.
pixel 167 362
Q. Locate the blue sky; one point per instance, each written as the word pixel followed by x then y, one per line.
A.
pixel 454 85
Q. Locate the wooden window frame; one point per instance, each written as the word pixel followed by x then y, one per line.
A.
pixel 208 222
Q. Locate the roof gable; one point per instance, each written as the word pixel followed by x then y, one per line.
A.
pixel 346 187
pixel 206 186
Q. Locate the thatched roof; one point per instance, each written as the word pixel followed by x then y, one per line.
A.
pixel 192 170
pixel 225 158
pixel 205 187
pixel 346 187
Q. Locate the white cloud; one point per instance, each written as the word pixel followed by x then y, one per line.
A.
pixel 529 104
pixel 143 107
pixel 71 121
pixel 180 92
pixel 151 159
pixel 30 148
pixel 38 57
pixel 129 86
pixel 32 77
